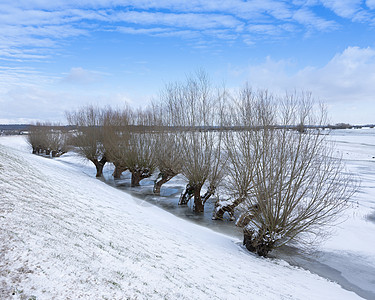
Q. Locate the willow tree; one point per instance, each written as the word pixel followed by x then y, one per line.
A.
pixel 139 147
pixel 167 157
pixel 37 137
pixel 167 152
pixel 297 185
pixel 88 137
pixel 47 138
pixel 139 157
pixel 193 108
pixel 129 141
pixel 116 133
pixel 249 112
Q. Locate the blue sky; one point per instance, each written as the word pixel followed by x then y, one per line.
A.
pixel 59 55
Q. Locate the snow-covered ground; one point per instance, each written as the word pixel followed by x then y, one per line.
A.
pixel 67 235
pixel 348 256
pixel 351 249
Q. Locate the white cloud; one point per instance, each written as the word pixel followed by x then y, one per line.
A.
pixel 25 104
pixel 148 31
pixel 346 82
pixel 311 20
pixel 27 95
pixel 343 8
pixel 267 29
pixel 350 9
pixel 80 76
pixel 160 32
pixel 47 24
pixel 180 33
pixel 370 4
pixel 189 20
pixel 23 98
pixel 349 76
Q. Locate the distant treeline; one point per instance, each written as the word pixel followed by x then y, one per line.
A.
pixel 19 129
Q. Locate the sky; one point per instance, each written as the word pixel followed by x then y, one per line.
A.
pixel 63 54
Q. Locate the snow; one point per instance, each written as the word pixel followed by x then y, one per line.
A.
pixel 351 249
pixel 67 235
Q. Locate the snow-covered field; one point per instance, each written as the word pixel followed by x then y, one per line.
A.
pixel 67 235
pixel 348 256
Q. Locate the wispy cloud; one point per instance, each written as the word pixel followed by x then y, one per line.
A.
pixel 265 29
pixel 81 76
pixel 186 20
pixel 161 32
pixel 350 9
pixel 312 21
pixel 46 24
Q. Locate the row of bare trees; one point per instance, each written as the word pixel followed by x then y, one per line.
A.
pixel 276 172
pixel 48 139
pixel 170 138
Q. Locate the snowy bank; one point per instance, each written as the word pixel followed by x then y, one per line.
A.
pixel 65 235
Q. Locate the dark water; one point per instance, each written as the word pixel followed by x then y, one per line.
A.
pixel 371 217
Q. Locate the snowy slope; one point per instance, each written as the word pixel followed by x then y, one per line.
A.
pixel 65 235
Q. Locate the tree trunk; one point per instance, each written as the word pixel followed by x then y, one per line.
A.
pixel 210 191
pixel 99 168
pixel 158 184
pixel 193 190
pixel 138 175
pixel 59 153
pixel 48 151
pixel 198 201
pixel 54 153
pixel 136 178
pixel 248 240
pixel 257 242
pixel 118 171
pixel 163 177
pixel 186 195
pixel 99 164
pixel 228 207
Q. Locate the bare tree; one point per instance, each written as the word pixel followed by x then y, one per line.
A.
pixel 140 156
pixel 297 186
pixel 47 138
pixel 167 142
pixel 167 158
pixel 88 138
pixel 192 109
pixel 36 137
pixel 250 111
pixel 116 134
pixel 57 138
pixel 136 149
pixel 129 140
